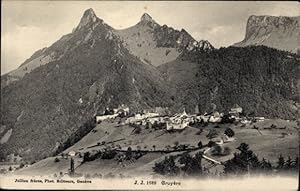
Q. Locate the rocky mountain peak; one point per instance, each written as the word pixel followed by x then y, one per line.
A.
pixel 88 17
pixel 200 46
pixel 205 45
pixel 146 18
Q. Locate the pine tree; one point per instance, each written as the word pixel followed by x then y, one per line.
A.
pixel 288 164
pixel 280 162
pixel 265 165
pixel 244 162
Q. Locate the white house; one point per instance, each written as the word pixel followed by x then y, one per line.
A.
pixel 105 117
pixel 259 118
pixel 236 109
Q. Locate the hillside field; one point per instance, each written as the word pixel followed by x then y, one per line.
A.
pixel 267 143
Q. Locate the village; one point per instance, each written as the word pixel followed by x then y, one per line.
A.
pixel 122 140
pixel 179 121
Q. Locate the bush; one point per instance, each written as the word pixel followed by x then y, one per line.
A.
pixel 212 134
pixel 226 151
pixel 128 153
pixel 166 167
pixel 229 132
pixel 191 165
pixel 56 160
pixel 138 130
pixel 216 150
pixel 211 144
pixel 108 154
pixel 200 145
pixel 22 165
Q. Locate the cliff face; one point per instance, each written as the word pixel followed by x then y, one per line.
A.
pixel 276 32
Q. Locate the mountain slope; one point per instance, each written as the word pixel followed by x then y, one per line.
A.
pixel 264 81
pixel 277 32
pixel 155 44
pixel 56 98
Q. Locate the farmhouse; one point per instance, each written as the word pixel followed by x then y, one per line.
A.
pixel 105 117
pixel 236 110
pixel 111 114
pixel 216 117
pixel 14 158
pixel 259 118
pixel 141 118
pixel 177 126
pixel 122 109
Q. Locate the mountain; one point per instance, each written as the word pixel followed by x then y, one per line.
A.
pixel 155 44
pixel 277 32
pixel 89 70
pixel 263 81
pixel 150 42
pixel 55 94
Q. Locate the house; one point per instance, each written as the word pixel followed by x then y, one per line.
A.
pixel 105 117
pixel 162 110
pixel 141 117
pixel 177 126
pixel 72 153
pixel 245 121
pixel 236 110
pixel 216 117
pixel 12 158
pixel 123 109
pixel 259 118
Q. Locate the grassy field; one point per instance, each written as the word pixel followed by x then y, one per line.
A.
pixel 267 143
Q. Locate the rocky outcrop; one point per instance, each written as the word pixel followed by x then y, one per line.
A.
pixel 276 32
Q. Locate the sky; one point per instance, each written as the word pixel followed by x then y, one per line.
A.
pixel 27 26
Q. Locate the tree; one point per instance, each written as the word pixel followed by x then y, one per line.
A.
pixel 244 162
pixel 190 165
pixel 229 132
pixel 86 156
pixel 176 143
pixel 166 167
pixel 200 145
pixel 265 165
pixel 211 144
pixel 212 134
pixel 288 164
pixel 295 164
pixel 56 160
pixel 22 165
pixel 280 162
pixel 137 130
pixel 128 153
pixel 226 151
pixel 154 147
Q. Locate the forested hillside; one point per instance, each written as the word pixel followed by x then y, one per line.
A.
pixel 264 81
